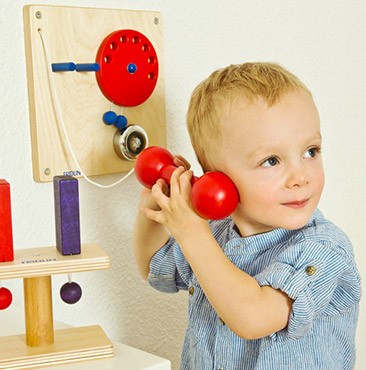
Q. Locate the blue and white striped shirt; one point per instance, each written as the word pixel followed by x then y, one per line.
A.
pixel 314 266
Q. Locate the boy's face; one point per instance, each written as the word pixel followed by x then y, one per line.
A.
pixel 273 156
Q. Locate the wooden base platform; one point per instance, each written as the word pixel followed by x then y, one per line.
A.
pixel 42 261
pixel 74 344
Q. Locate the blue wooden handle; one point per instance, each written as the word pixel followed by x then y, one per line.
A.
pixel 87 67
pixel 63 67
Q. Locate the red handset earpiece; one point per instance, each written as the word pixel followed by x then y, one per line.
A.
pixel 213 196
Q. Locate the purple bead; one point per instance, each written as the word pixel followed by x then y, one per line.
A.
pixel 70 292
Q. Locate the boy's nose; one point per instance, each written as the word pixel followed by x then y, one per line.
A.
pixel 297 176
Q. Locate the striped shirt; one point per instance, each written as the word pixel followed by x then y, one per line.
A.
pixel 313 265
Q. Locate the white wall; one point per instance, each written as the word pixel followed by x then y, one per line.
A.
pixel 323 42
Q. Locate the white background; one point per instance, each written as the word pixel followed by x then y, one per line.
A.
pixel 323 42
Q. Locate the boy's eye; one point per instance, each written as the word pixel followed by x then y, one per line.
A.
pixel 312 152
pixel 270 162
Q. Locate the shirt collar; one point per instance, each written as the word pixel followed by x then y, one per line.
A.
pixel 261 242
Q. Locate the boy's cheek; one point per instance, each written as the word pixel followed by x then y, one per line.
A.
pixel 258 196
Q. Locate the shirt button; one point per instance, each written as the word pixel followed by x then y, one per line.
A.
pixel 191 290
pixel 310 270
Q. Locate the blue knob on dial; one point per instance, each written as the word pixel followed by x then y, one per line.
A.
pixel 132 68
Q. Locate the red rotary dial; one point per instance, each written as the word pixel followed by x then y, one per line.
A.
pixel 129 68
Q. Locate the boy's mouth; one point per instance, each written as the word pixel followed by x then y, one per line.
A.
pixel 297 204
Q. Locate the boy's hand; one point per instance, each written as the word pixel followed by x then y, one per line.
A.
pixel 147 200
pixel 176 211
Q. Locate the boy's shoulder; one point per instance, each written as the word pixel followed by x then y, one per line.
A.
pixel 320 230
pixel 223 230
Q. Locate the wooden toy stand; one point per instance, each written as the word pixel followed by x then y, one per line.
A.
pixel 41 345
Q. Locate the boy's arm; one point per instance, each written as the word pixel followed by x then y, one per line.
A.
pixel 148 236
pixel 249 310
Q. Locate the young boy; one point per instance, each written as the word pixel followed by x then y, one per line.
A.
pixel 274 286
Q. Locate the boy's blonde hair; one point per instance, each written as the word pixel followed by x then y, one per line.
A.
pixel 214 95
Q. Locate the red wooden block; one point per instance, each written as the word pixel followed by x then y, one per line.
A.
pixel 6 231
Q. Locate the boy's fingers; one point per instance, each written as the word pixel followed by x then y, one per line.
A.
pixel 175 182
pixel 158 194
pixel 163 186
pixel 181 161
pixel 152 215
pixel 186 181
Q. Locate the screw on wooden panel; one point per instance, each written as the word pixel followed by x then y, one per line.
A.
pixel 38 15
pixel 47 171
pixel 156 20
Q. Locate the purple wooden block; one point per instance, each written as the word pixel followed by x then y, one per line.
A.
pixel 67 219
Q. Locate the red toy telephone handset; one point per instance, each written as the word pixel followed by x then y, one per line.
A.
pixel 213 196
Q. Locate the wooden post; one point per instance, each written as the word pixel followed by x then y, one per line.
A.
pixel 38 311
